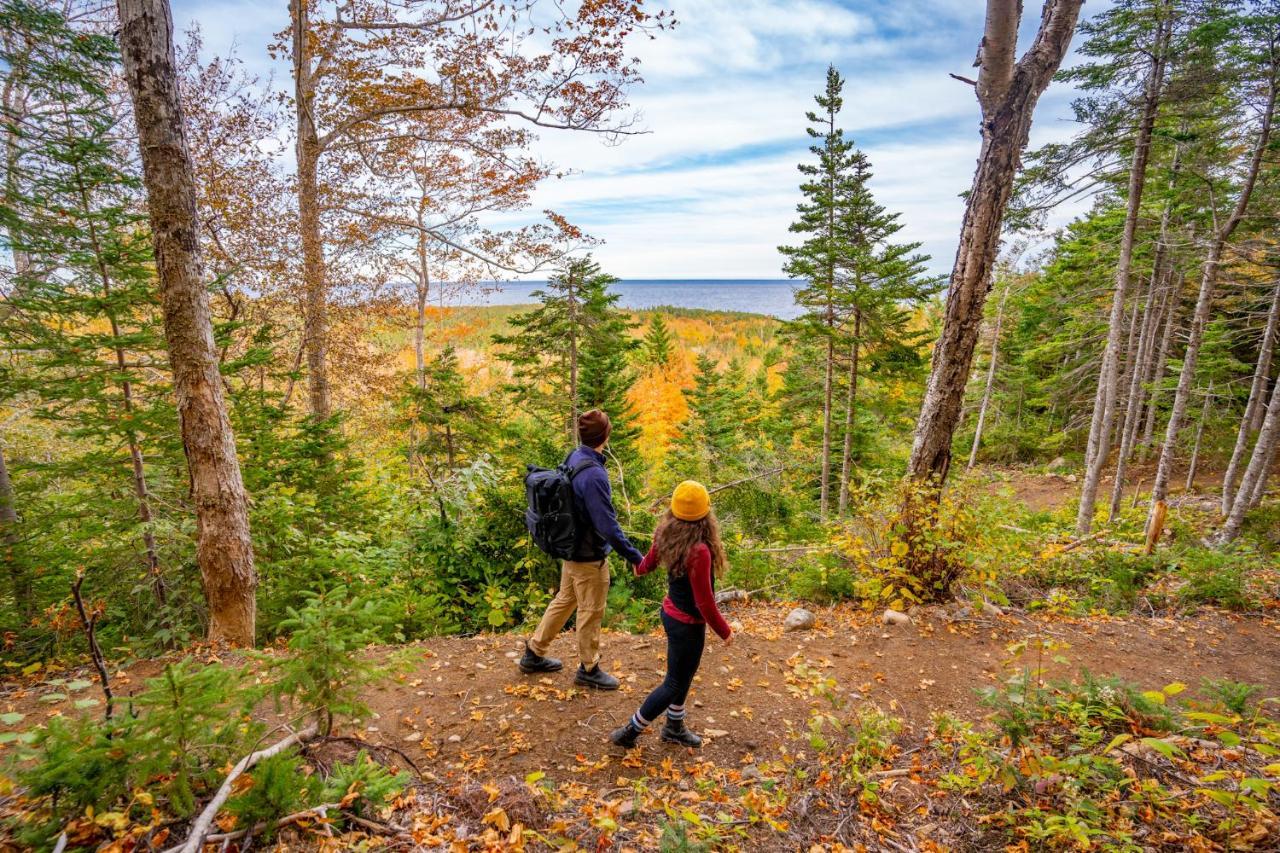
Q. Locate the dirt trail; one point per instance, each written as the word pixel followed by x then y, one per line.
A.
pixel 461 703
pixel 464 704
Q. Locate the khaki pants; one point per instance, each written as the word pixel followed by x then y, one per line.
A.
pixel 583 587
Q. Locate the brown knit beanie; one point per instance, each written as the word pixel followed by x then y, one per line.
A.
pixel 593 428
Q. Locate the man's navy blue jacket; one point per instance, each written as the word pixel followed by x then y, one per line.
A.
pixel 593 500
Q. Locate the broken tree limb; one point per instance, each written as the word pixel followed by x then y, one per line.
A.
pixel 759 476
pixel 711 491
pixel 200 828
pixel 320 811
pixel 1155 525
pixel 90 624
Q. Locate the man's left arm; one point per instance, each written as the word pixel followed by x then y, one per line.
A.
pixel 598 499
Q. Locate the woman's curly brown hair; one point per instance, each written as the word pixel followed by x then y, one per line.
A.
pixel 675 538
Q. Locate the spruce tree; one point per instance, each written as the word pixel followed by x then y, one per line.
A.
pixel 859 283
pixel 447 422
pixel 84 318
pixel 572 352
pixel 657 343
pixel 816 261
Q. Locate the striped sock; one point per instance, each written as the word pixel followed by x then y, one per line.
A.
pixel 675 713
pixel 639 722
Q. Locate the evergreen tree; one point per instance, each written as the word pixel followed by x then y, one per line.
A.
pixel 712 438
pixel 84 317
pixel 572 352
pixel 447 421
pixel 817 260
pixel 657 343
pixel 858 281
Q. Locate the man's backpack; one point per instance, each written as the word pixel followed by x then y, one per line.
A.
pixel 550 516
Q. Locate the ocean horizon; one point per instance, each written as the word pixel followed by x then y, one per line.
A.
pixel 774 297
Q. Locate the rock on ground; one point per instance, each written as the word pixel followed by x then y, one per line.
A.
pixel 799 620
pixel 893 617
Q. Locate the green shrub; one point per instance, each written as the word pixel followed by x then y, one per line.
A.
pixel 183 729
pixel 375 784
pixel 1234 695
pixel 325 671
pixel 278 787
pixel 1214 577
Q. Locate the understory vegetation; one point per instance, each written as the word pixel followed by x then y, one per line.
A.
pixel 1120 425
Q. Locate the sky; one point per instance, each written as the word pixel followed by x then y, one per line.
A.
pixel 708 191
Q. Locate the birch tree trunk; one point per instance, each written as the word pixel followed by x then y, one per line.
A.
pixel 1195 447
pixel 1257 391
pixel 1204 301
pixel 850 407
pixel 424 293
pixel 1253 484
pixel 223 548
pixel 1261 488
pixel 1007 94
pixel 1104 407
pixel 1173 304
pixel 1138 370
pixel 991 378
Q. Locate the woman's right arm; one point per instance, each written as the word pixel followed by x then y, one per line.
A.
pixel 649 563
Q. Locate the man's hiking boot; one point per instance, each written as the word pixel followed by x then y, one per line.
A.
pixel 595 677
pixel 625 737
pixel 532 662
pixel 675 732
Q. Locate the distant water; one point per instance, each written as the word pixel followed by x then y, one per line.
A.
pixel 757 296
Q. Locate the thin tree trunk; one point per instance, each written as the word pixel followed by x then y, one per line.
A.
pixel 1260 411
pixel 1160 298
pixel 1253 483
pixel 1204 302
pixel 314 275
pixel 1104 411
pixel 420 320
pixel 573 358
pixel 1137 371
pixel 1195 448
pixel 851 401
pixel 1007 92
pixel 1257 390
pixel 1173 303
pixel 223 550
pixel 828 381
pixel 991 378
pixel 151 559
pixel 1261 488
pixel 23 598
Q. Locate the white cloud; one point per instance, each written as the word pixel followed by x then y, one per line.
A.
pixel 710 189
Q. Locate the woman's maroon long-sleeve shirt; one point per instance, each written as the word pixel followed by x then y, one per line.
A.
pixel 698 569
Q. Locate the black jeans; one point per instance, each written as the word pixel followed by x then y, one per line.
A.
pixel 684 652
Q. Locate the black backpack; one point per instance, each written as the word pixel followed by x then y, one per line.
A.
pixel 550 516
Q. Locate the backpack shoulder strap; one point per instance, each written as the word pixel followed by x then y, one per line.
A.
pixel 580 467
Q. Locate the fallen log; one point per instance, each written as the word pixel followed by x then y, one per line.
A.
pixel 200 828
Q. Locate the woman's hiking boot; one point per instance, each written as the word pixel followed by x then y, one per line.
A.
pixel 625 736
pixel 595 677
pixel 675 732
pixel 533 662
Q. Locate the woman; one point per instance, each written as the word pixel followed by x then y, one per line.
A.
pixel 687 543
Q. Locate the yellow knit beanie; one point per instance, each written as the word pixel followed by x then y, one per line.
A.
pixel 691 501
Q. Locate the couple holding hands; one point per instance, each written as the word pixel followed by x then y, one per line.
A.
pixel 686 544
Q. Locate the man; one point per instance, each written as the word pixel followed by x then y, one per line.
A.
pixel 584 580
